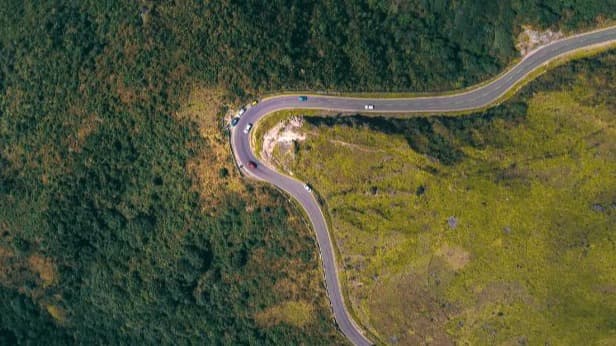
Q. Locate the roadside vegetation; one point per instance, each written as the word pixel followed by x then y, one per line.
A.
pixel 492 228
pixel 122 217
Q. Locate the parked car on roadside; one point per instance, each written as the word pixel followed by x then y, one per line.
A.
pixel 234 121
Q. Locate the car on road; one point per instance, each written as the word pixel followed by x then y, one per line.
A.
pixel 302 98
pixel 248 127
pixel 254 102
pixel 241 111
pixel 369 107
pixel 234 121
pixel 307 188
pixel 252 164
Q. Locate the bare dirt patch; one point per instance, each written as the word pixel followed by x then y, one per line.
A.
pixel 503 293
pixel 31 275
pixel 282 135
pixel 44 268
pixel 529 39
pixel 86 127
pixel 607 289
pixel 127 95
pixel 406 311
pixel 58 313
pixel 455 256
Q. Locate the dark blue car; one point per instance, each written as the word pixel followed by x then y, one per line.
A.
pixel 303 98
pixel 234 121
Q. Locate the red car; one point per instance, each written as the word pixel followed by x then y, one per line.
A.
pixel 252 164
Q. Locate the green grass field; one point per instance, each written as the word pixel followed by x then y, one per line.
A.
pixel 493 228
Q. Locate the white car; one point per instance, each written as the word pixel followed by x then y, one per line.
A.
pixel 307 188
pixel 242 110
pixel 369 107
pixel 248 127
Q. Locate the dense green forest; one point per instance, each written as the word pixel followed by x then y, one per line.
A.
pixel 103 238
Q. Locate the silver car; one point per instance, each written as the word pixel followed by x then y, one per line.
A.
pixel 248 127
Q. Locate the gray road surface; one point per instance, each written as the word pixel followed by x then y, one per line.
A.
pixel 476 98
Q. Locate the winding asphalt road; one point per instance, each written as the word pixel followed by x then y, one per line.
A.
pixel 476 98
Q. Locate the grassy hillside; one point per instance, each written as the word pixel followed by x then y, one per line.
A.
pixel 493 228
pixel 122 218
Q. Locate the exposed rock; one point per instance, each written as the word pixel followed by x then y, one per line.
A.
pixel 598 208
pixel 452 221
pixel 283 133
pixel 530 39
pixel 420 190
pixel 455 256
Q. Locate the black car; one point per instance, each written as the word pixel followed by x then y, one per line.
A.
pixel 252 164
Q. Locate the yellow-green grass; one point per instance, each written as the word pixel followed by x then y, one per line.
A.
pixel 531 259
